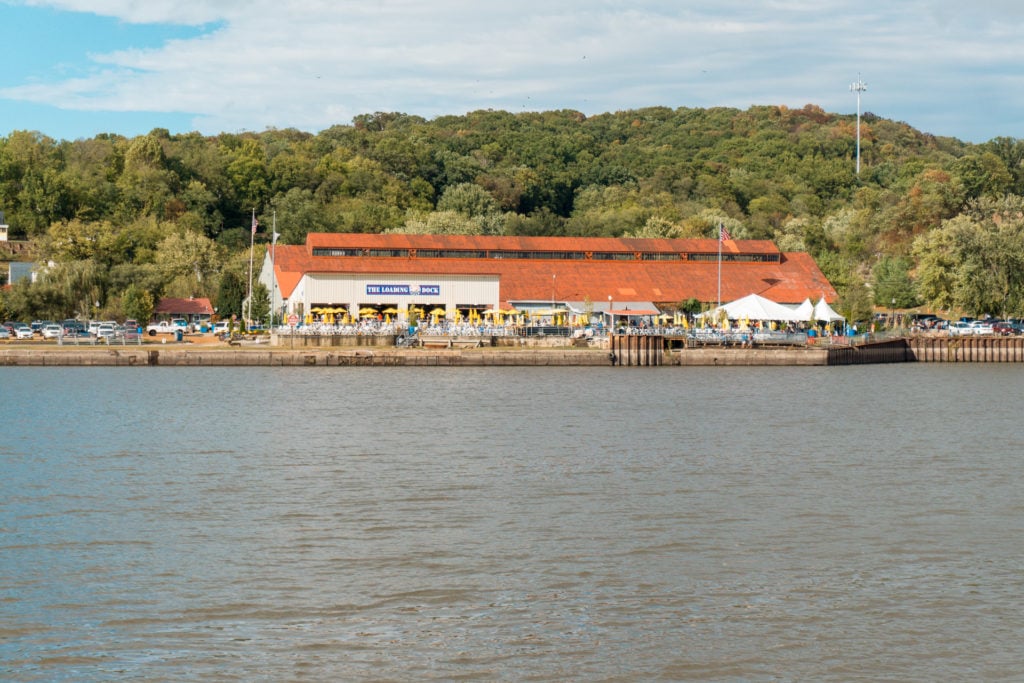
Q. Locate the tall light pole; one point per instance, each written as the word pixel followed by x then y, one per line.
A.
pixel 858 87
pixel 273 275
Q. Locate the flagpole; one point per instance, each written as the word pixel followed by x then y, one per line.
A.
pixel 252 244
pixel 719 265
pixel 273 274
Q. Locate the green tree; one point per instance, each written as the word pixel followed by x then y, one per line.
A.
pixel 78 287
pixel 259 310
pixel 893 285
pixel 78 240
pixel 138 304
pixel 855 304
pixel 299 212
pixel 973 266
pixel 247 173
pixel 190 257
pixel 231 294
pixel 146 185
pixel 468 199
pixel 1011 152
pixel 983 175
pixel 443 223
pixel 656 227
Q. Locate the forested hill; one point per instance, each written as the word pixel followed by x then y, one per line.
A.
pixel 170 213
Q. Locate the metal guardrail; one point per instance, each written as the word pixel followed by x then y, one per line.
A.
pixel 117 340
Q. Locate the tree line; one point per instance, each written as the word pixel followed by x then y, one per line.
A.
pixel 119 222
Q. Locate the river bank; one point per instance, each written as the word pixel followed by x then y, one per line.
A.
pixel 625 351
pixel 188 355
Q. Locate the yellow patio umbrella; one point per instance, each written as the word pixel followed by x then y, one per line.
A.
pixel 390 311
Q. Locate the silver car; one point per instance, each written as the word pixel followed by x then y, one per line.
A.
pixel 52 331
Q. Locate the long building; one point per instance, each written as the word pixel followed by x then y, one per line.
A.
pixel 576 275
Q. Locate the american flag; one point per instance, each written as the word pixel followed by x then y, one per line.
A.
pixel 723 234
pixel 255 223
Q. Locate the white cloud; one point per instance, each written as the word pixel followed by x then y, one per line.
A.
pixel 316 63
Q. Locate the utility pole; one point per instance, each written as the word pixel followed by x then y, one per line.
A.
pixel 858 87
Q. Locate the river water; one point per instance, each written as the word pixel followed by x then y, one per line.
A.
pixel 512 524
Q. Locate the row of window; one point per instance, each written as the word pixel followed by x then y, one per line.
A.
pixel 542 255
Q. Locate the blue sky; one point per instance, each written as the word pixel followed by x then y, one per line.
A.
pixel 77 68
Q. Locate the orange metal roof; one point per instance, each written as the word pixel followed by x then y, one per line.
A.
pixel 194 306
pixel 404 241
pixel 795 278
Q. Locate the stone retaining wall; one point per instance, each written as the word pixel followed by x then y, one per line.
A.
pixel 312 357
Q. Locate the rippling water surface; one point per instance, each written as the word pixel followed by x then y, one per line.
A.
pixel 519 524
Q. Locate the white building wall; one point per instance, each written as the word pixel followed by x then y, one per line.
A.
pixel 401 291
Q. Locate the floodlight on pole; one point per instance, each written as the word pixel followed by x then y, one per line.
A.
pixel 858 87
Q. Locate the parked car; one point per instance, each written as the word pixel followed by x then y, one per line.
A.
pixel 981 327
pixel 23 331
pixel 959 328
pixel 4 333
pixel 52 331
pixel 162 327
pixel 72 326
pixel 131 330
pixel 1004 328
pixel 105 330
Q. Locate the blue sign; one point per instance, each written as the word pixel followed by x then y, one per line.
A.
pixel 404 290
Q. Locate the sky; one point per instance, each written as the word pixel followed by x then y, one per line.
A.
pixel 77 68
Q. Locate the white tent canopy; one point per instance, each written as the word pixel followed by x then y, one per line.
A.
pixel 754 307
pixel 824 312
pixel 804 311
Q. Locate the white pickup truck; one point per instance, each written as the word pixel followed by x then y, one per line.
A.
pixel 167 327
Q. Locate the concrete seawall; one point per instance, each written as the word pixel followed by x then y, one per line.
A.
pixel 311 357
pixel 187 356
pixel 966 349
pixel 627 353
